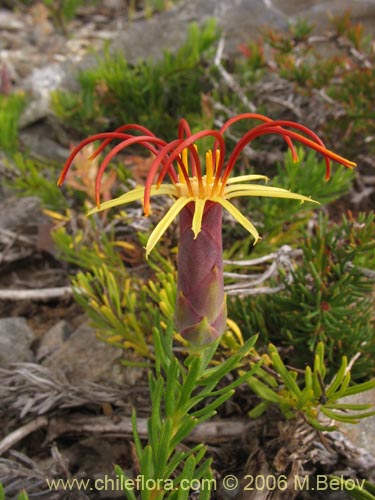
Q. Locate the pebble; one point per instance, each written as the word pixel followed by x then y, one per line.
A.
pixel 361 434
pixel 39 85
pixel 10 22
pixel 15 341
pixel 15 213
pixel 53 339
pixel 82 357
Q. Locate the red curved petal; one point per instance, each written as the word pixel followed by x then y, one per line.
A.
pixel 131 126
pixel 188 142
pixel 183 129
pixel 144 140
pixel 275 128
pixel 160 158
pixel 85 142
pixel 256 116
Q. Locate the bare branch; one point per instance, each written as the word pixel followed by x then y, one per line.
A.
pixel 21 432
pixel 36 294
pixel 229 80
pixel 285 103
pixel 281 259
pixel 213 432
pixel 39 391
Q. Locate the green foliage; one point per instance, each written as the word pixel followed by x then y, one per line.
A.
pixel 301 61
pixel 11 107
pixel 301 30
pixel 152 6
pixel 62 11
pixel 86 245
pixel 330 298
pixel 154 94
pixel 298 60
pixel 305 176
pixel 283 220
pixel 116 306
pixel 33 178
pixel 22 495
pixel 117 302
pixel 313 397
pixel 344 70
pixel 345 28
pixel 356 93
pixel 162 288
pixel 253 67
pixel 149 7
pixel 183 395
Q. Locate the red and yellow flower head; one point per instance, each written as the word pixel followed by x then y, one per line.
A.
pixel 200 190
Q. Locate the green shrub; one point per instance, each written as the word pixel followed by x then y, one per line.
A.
pixel 11 107
pixel 282 221
pixel 31 177
pixel 154 94
pixel 330 298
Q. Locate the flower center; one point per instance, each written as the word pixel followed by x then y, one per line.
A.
pixel 202 190
pixel 198 185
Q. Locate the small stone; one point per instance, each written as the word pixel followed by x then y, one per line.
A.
pixel 82 357
pixel 39 85
pixel 361 434
pixel 54 339
pixel 9 22
pixel 15 341
pixel 15 213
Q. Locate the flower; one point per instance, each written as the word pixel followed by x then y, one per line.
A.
pixel 200 192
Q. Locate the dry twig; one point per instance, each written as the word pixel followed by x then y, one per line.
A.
pixel 36 294
pixel 280 259
pixel 15 436
pixel 31 389
pixel 229 80
pixel 213 432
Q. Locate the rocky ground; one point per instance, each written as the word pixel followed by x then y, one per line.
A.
pixel 61 369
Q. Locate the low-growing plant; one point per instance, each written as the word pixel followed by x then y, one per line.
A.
pixel 63 11
pixel 156 93
pixel 158 5
pixel 184 393
pixel 303 176
pixel 149 7
pixel 181 380
pixel 331 290
pixel 11 107
pixel 115 299
pixel 30 177
pixel 85 244
pixel 21 496
pixel 338 66
pixel 314 397
pixel 116 306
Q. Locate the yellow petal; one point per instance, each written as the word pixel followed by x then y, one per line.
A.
pixel 239 218
pixel 168 218
pixel 198 215
pixel 269 192
pixel 134 195
pixel 252 187
pixel 242 178
pixel 56 215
